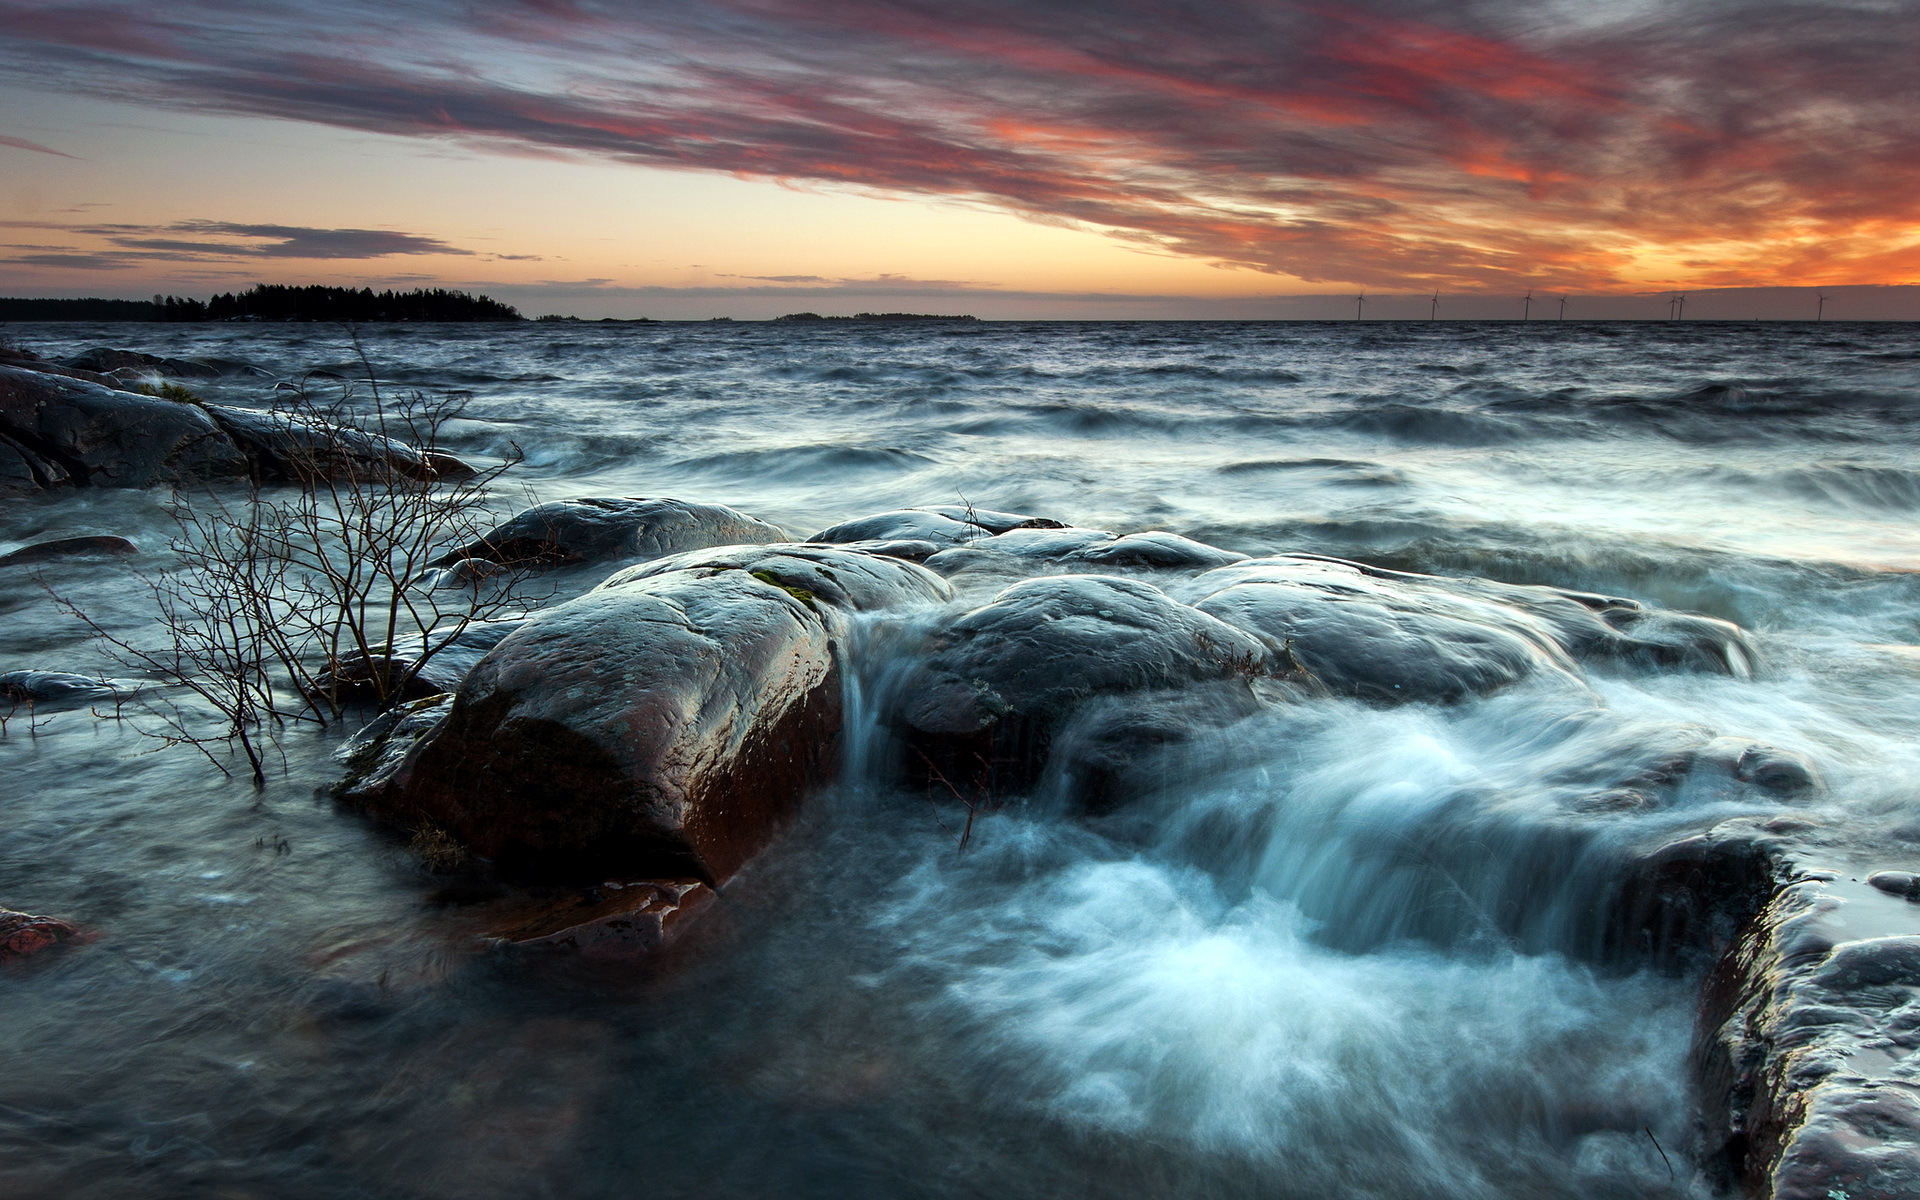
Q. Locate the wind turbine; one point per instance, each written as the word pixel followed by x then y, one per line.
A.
pixel 1821 313
pixel 1433 313
pixel 1563 308
pixel 1681 301
pixel 1359 305
pixel 1526 314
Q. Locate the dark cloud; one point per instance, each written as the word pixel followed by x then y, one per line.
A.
pixel 1459 144
pixel 36 147
pixel 211 241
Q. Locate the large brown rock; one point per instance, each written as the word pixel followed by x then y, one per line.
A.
pixel 666 724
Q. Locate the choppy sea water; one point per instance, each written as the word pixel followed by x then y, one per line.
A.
pixel 1226 990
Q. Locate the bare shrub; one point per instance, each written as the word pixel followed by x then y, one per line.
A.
pixel 291 601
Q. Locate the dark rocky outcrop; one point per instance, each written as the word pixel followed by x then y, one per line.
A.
pixel 23 935
pixel 1809 1038
pixel 453 654
pixel 101 359
pixel 100 546
pixel 610 529
pixel 665 724
pixel 58 432
pixel 66 432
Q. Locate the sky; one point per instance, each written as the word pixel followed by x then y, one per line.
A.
pixel 1008 158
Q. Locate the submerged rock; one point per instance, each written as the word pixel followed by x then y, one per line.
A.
pixel 1027 548
pixel 50 689
pixel 73 547
pixel 23 935
pixel 454 654
pixel 606 529
pixel 611 922
pixel 134 362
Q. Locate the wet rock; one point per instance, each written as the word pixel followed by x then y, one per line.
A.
pixel 374 754
pixel 983 711
pixel 1808 1044
pixel 73 547
pixel 664 726
pixel 282 448
pixel 101 359
pixel 910 550
pixel 1588 626
pixel 23 935
pixel 454 654
pixel 841 579
pixel 50 689
pixel 85 435
pixel 944 525
pixel 1377 639
pixel 1023 549
pixel 606 529
pixel 1904 884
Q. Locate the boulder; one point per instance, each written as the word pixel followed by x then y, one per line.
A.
pixel 1002 680
pixel 91 436
pixel 613 921
pixel 287 449
pixel 945 525
pixel 663 726
pixel 1589 626
pixel 73 547
pixel 831 580
pixel 23 935
pixel 606 529
pixel 1379 639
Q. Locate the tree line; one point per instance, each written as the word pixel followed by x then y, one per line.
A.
pixel 274 302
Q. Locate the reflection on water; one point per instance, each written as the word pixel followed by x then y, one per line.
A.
pixel 1330 954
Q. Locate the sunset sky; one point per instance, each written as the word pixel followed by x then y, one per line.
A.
pixel 1035 158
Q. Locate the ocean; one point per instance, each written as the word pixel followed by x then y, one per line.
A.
pixel 1273 977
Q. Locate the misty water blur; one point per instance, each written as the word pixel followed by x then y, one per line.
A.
pixel 1320 957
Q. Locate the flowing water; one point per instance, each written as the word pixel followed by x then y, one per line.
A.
pixel 1238 986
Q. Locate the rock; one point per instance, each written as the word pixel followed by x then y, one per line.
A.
pixel 1904 884
pixel 983 710
pixel 613 921
pixel 132 362
pixel 603 529
pixel 1022 548
pixel 1807 1044
pixel 49 689
pixel 90 436
pixel 289 449
pixel 22 935
pixel 453 656
pixel 1377 639
pixel 1590 626
pixel 945 525
pixel 73 547
pixel 375 753
pixel 665 726
pixel 839 578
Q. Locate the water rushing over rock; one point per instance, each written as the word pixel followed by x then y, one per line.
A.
pixel 1375 761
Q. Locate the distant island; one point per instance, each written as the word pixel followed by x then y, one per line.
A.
pixel 810 316
pixel 274 302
